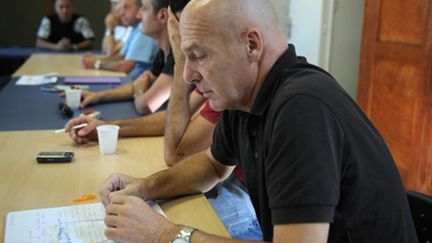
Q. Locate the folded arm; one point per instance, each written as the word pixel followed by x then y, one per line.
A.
pixel 150 125
pixel 124 66
pixel 150 100
pixel 198 173
pixel 83 45
pixel 186 132
pixel 44 44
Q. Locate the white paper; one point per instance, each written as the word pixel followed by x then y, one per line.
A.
pixel 37 79
pixel 81 223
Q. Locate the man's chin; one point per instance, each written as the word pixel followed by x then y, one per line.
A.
pixel 216 106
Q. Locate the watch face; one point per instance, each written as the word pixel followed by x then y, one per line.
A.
pixel 179 240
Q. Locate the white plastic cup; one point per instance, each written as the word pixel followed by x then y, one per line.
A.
pixel 107 135
pixel 73 98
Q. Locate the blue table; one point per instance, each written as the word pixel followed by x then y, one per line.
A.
pixel 24 52
pixel 28 108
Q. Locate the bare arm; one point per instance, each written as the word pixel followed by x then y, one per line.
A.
pixel 63 45
pixel 153 98
pixel 292 233
pixel 185 135
pixel 123 92
pixel 114 63
pixel 117 65
pixel 130 219
pixel 177 118
pixel 89 60
pixel 110 46
pixel 83 45
pixel 195 174
pixel 151 125
pixel 43 44
pixel 181 137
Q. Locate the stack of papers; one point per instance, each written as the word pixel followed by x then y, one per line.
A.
pixel 81 223
pixel 32 80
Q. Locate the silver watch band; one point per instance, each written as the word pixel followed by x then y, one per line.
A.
pixel 184 236
pixel 97 64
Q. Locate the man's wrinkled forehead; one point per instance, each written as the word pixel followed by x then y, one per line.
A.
pixel 195 33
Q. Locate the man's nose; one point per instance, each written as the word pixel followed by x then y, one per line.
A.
pixel 188 73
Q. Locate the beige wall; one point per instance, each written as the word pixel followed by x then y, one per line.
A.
pixel 20 20
pixel 346 43
pixel 328 33
pixel 282 10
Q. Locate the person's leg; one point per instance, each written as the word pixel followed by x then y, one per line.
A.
pixel 232 203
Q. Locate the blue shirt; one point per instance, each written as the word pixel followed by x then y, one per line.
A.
pixel 141 49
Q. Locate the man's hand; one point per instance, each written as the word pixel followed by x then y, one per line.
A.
pixel 64 45
pixel 111 21
pixel 119 184
pixel 88 61
pixel 143 82
pixel 85 134
pixel 89 98
pixel 175 39
pixel 130 219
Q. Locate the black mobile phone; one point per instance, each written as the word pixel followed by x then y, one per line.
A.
pixel 55 157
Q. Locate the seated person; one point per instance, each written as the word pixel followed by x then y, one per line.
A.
pixel 116 32
pixel 149 125
pixel 187 134
pixel 64 30
pixel 316 168
pixel 151 90
pixel 138 52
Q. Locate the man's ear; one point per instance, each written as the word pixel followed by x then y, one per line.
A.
pixel 163 15
pixel 254 44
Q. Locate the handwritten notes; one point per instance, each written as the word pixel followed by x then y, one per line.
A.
pixel 81 223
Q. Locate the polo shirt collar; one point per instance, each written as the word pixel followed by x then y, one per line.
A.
pixel 271 82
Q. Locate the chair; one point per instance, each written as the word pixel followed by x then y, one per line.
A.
pixel 421 210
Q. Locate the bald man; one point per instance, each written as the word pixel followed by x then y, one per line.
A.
pixel 316 168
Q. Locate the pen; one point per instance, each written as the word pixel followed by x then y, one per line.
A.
pixel 85 198
pixel 74 127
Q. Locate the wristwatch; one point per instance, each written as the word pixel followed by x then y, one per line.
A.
pixel 184 235
pixel 138 93
pixel 97 64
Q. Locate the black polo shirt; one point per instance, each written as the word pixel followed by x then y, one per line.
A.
pixel 309 154
pixel 160 65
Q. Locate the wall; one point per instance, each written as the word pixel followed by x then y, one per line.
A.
pixel 301 22
pixel 346 42
pixel 306 21
pixel 282 11
pixel 328 33
pixel 20 20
